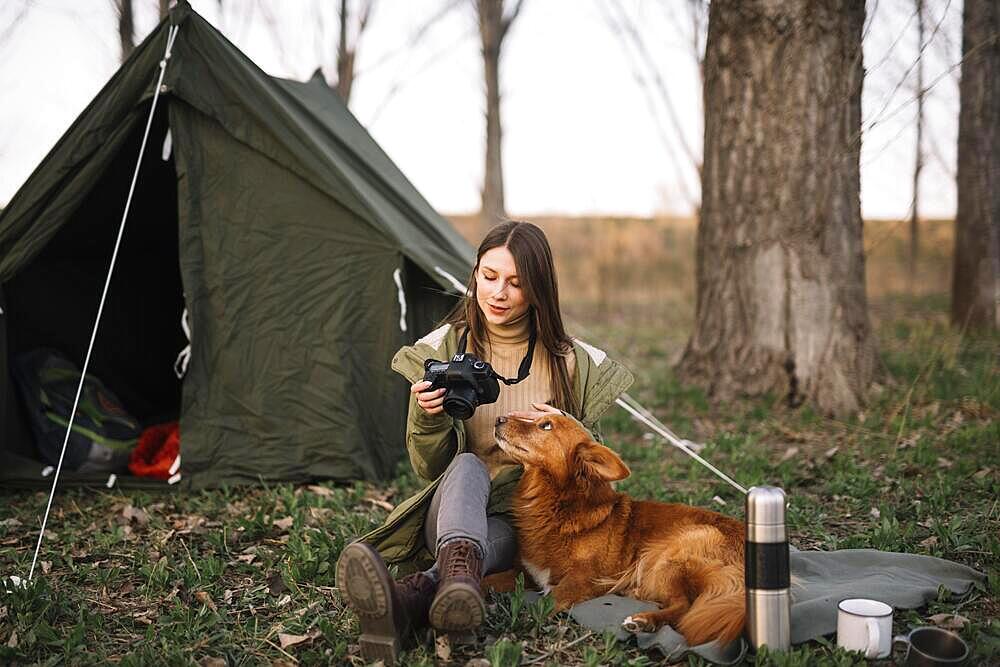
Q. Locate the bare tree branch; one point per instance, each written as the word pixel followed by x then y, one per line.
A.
pixel 507 21
pixel 409 76
pixel 628 27
pixel 9 30
pixel 417 36
pixel 636 68
pixel 126 27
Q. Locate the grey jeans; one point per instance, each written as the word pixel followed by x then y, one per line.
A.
pixel 458 510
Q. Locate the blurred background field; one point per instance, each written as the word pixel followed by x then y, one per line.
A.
pixel 641 271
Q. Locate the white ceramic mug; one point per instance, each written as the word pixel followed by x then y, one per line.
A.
pixel 865 626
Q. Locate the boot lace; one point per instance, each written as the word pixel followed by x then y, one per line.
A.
pixel 460 559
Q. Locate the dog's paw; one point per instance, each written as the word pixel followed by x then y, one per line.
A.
pixel 636 624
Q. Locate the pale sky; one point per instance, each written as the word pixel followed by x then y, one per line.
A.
pixel 580 137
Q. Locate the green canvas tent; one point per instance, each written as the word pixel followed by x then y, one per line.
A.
pixel 303 256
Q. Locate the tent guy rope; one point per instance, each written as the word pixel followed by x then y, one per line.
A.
pixel 171 36
pixel 640 413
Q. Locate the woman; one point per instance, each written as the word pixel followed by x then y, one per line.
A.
pixel 460 521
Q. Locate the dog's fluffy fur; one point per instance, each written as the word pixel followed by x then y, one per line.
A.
pixel 581 539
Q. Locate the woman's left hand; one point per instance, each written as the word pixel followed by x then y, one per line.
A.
pixel 540 410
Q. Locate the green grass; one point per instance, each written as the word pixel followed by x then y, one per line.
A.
pixel 139 578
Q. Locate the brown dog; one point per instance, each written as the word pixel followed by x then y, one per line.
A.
pixel 580 539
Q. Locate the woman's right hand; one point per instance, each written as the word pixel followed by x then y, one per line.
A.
pixel 430 402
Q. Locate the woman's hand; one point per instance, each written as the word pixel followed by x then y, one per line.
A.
pixel 429 401
pixel 540 410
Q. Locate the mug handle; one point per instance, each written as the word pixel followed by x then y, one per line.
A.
pixel 871 626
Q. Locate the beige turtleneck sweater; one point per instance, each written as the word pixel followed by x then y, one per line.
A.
pixel 507 346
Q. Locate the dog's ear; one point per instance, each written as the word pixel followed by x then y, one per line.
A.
pixel 596 460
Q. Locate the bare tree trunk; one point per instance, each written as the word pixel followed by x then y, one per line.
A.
pixel 347 51
pixel 493 27
pixel 781 304
pixel 919 163
pixel 975 290
pixel 126 27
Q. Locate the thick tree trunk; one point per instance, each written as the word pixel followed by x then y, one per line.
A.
pixel 492 29
pixel 975 290
pixel 126 28
pixel 781 303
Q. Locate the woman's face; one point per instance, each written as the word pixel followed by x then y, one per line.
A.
pixel 498 288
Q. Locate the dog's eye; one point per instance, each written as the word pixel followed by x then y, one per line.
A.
pixel 545 426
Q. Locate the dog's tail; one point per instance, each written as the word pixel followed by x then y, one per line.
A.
pixel 719 610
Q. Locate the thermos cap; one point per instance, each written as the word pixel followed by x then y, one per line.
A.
pixel 766 506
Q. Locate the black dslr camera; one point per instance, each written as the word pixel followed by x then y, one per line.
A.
pixel 470 382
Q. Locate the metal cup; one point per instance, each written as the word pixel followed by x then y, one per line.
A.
pixel 934 647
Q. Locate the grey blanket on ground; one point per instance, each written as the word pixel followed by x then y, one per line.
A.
pixel 820 579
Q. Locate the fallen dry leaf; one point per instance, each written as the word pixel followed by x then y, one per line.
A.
pixel 12 642
pixel 291 640
pixel 980 474
pixel 135 514
pixel 211 661
pixel 948 621
pixel 286 640
pixel 227 597
pixel 830 452
pixel 387 506
pixel 284 524
pixel 929 542
pixel 320 490
pixel 875 513
pixel 789 453
pixel 275 584
pixel 205 599
pixel 944 463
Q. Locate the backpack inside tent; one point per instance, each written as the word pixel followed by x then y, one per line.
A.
pixel 302 256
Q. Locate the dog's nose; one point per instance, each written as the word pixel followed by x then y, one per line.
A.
pixel 501 420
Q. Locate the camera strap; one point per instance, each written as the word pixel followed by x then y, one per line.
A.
pixel 525 368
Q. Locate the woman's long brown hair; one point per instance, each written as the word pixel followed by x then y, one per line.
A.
pixel 537 274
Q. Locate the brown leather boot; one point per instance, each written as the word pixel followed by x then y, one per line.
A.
pixel 458 605
pixel 387 611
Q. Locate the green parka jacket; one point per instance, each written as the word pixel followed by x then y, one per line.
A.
pixel 432 441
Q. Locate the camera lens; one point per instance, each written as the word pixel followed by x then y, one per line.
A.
pixel 460 401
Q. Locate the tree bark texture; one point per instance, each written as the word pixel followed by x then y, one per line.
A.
pixel 493 27
pixel 781 304
pixel 975 291
pixel 126 28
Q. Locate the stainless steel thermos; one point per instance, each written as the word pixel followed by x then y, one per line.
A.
pixel 767 574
